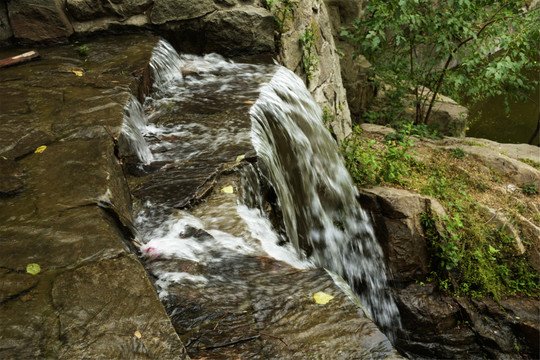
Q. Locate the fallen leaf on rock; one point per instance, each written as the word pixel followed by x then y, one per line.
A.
pixel 228 190
pixel 40 149
pixel 248 102
pixel 33 269
pixel 322 298
pixel 240 158
pixel 137 334
pixel 77 72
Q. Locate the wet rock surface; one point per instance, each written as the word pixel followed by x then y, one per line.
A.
pixel 262 308
pixel 65 206
pixel 241 306
pixel 466 329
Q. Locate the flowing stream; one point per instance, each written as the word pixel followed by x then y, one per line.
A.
pixel 323 224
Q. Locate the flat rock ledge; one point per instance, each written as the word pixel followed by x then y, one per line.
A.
pixel 66 208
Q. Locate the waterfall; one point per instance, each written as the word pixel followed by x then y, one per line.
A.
pixel 198 113
pixel 132 128
pixel 316 194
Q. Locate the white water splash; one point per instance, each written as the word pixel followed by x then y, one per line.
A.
pixel 133 127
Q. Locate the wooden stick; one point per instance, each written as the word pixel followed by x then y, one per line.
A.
pixel 19 59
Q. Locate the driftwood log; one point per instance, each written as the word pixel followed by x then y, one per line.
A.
pixel 19 59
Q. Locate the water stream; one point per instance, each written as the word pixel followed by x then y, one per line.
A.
pixel 323 222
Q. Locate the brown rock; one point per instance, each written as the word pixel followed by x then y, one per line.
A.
pixel 396 214
pixel 11 174
pixel 39 21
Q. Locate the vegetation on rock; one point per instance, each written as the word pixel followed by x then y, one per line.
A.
pixel 474 255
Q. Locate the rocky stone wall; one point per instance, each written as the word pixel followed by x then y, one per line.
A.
pixel 231 27
pixel 324 79
pixel 353 67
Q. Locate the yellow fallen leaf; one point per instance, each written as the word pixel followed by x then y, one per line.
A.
pixel 322 298
pixel 3 157
pixel 33 269
pixel 240 158
pixel 137 334
pixel 248 102
pixel 77 72
pixel 40 149
pixel 228 190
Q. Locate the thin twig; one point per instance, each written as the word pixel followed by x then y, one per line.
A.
pixel 275 337
pixel 230 343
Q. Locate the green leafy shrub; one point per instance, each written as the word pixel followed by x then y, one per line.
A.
pixel 530 189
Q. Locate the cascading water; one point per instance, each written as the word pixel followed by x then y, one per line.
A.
pixel 133 127
pixel 316 194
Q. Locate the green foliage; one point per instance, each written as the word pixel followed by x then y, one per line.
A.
pixel 532 163
pixel 470 255
pixel 328 118
pixel 458 153
pixel 412 45
pixel 283 11
pixel 310 60
pixel 82 50
pixel 530 189
pixel 368 165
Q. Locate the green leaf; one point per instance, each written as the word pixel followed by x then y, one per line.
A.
pixel 33 269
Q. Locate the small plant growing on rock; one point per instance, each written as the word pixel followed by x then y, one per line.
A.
pixel 283 10
pixel 530 189
pixel 458 153
pixel 83 50
pixel 310 60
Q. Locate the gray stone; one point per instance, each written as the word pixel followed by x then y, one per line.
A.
pixel 82 10
pixel 175 10
pixel 239 31
pixel 41 21
pixel 396 214
pixel 497 157
pixel 326 83
pixel 353 68
pixel 448 117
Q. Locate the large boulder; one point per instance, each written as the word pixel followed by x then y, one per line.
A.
pixel 177 10
pixel 239 31
pixel 39 21
pixel 396 214
pixel 82 10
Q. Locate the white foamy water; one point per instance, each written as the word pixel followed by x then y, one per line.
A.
pixel 233 229
pixel 133 128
